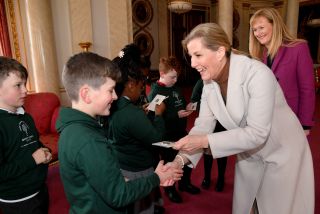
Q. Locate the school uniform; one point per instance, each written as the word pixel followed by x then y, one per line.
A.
pixel 89 168
pixel 175 129
pixel 21 179
pixel 133 134
pixel 175 126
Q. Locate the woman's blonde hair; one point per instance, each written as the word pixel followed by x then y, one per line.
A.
pixel 280 33
pixel 212 37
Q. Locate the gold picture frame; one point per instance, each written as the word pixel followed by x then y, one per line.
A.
pixel 142 12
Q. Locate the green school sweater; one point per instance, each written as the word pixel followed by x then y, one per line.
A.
pixel 20 176
pixel 175 126
pixel 89 168
pixel 133 134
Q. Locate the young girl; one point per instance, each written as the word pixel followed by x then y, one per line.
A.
pixel 132 131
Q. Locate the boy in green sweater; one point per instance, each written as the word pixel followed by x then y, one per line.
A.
pixel 23 159
pixel 175 117
pixel 89 169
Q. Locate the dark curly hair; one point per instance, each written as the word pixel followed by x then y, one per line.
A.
pixel 130 63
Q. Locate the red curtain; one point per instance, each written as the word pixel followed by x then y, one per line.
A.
pixel 5 48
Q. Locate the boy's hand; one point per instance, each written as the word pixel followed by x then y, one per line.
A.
pixel 42 155
pixel 159 109
pixel 189 106
pixel 192 106
pixel 184 113
pixel 48 155
pixel 168 174
pixel 145 108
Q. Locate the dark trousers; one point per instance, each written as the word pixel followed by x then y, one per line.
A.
pixel 38 204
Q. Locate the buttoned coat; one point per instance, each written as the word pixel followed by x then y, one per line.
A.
pixel 293 68
pixel 274 163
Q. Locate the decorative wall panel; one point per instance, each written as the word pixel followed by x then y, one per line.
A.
pixel 142 14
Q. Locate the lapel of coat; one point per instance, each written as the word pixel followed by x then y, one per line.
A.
pixel 230 115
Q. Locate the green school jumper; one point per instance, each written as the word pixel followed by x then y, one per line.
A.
pixel 20 176
pixel 133 134
pixel 175 126
pixel 89 168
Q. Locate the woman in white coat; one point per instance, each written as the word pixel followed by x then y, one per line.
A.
pixel 274 171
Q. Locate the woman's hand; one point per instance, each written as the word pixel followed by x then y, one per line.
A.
pixel 191 143
pixel 307 132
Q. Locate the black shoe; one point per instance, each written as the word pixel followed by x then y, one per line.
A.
pixel 206 183
pixel 158 209
pixel 189 188
pixel 220 185
pixel 173 195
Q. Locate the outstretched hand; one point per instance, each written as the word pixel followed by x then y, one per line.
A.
pixel 168 174
pixel 191 143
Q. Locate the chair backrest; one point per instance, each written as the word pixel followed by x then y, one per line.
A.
pixel 42 107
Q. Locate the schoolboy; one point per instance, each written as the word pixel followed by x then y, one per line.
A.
pixel 23 159
pixel 89 169
pixel 175 117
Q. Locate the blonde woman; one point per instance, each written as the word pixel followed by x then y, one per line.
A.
pixel 289 59
pixel 274 163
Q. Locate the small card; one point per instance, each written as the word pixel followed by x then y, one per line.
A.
pixel 157 100
pixel 193 106
pixel 166 144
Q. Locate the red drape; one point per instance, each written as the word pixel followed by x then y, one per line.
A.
pixel 5 48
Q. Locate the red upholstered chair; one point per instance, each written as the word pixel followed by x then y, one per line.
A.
pixel 44 108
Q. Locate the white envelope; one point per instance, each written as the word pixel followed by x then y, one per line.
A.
pixel 166 144
pixel 157 100
pixel 193 106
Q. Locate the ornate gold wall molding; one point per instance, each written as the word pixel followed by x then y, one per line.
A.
pixel 16 35
pixel 13 29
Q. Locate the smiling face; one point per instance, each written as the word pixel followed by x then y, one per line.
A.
pixel 102 98
pixel 207 62
pixel 170 78
pixel 262 30
pixel 13 92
